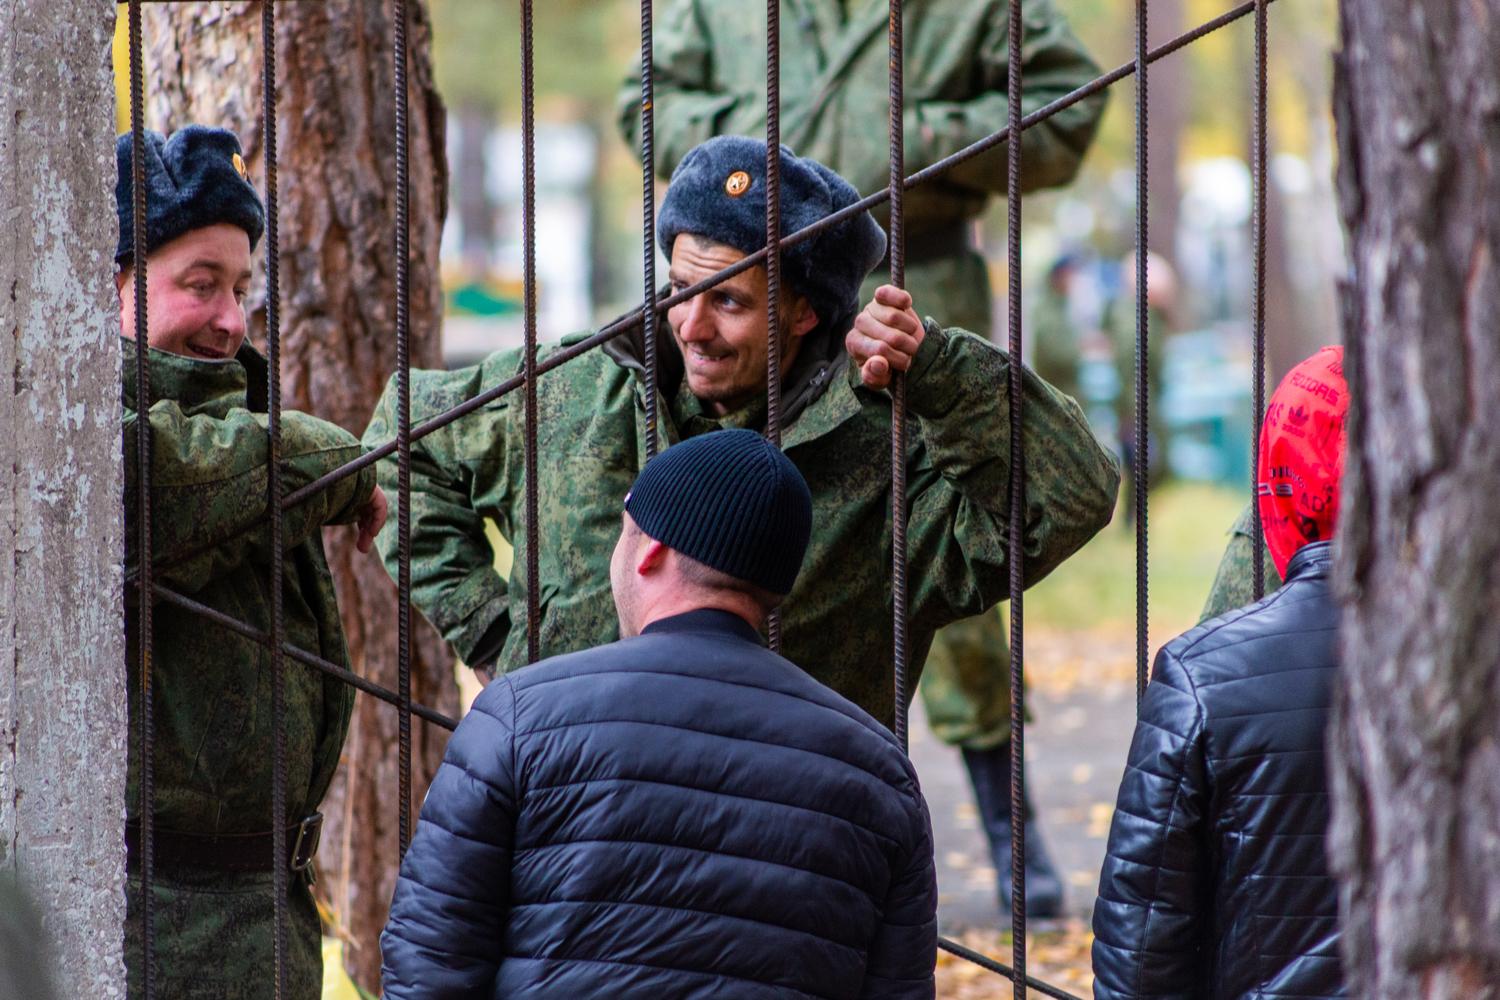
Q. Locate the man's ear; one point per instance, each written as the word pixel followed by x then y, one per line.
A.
pixel 652 559
pixel 122 276
pixel 804 319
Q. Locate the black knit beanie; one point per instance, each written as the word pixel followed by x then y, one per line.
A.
pixel 732 501
pixel 194 179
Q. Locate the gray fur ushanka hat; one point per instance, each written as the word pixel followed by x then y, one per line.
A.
pixel 718 192
pixel 194 179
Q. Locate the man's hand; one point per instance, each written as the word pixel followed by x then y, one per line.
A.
pixel 371 520
pixel 885 337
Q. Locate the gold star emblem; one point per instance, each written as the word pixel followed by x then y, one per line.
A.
pixel 737 183
pixel 239 165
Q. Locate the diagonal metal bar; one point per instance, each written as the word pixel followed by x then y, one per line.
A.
pixel 279 871
pixel 301 656
pixel 1017 551
pixel 145 625
pixel 896 130
pixel 984 961
pixel 403 436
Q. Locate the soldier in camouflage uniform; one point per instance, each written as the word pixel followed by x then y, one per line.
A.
pixel 211 686
pixel 709 67
pixel 836 425
pixel 1234 582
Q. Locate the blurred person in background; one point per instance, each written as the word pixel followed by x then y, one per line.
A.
pixel 1120 320
pixel 1056 352
pixel 709 72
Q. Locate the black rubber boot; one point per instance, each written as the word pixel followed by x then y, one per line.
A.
pixel 989 773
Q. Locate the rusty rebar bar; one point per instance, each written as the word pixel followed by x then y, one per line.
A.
pixel 144 618
pixel 1017 548
pixel 279 870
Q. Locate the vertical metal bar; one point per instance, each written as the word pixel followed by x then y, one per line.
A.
pixel 1140 474
pixel 773 221
pixel 403 431
pixel 1017 515
pixel 528 237
pixel 897 186
pixel 279 870
pixel 1258 387
pixel 773 249
pixel 143 506
pixel 648 221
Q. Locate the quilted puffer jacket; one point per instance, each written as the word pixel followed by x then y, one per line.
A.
pixel 682 814
pixel 1216 884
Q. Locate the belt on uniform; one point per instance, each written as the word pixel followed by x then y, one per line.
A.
pixel 234 852
pixel 948 239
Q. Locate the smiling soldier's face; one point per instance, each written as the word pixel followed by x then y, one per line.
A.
pixel 195 294
pixel 722 332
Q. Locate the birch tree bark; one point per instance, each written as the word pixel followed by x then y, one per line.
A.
pixel 336 170
pixel 1416 735
pixel 62 639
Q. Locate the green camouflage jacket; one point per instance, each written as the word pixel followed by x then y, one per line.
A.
pixel 710 79
pixel 212 688
pixel 836 623
pixel 1234 582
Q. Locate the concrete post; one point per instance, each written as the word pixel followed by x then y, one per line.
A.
pixel 63 724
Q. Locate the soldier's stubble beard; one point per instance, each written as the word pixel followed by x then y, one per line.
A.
pixel 735 396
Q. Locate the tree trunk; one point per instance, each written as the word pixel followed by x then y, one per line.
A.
pixel 63 726
pixel 1415 741
pixel 336 169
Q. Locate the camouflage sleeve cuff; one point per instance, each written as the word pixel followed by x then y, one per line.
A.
pixel 937 378
pixel 479 631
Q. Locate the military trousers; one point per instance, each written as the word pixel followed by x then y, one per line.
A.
pixel 965 685
pixel 215 937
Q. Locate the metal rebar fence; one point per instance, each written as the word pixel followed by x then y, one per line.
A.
pixel 646 320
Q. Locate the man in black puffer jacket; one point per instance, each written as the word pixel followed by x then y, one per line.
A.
pixel 1216 884
pixel 682 813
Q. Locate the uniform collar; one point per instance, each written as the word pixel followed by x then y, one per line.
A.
pixel 192 382
pixel 705 620
pixel 1312 560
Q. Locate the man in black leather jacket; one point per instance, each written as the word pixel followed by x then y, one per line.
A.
pixel 1216 884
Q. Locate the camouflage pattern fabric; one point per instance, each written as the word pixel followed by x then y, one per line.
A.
pixel 215 937
pixel 590 436
pixel 710 79
pixel 1234 583
pixel 1119 321
pixel 211 687
pixel 709 68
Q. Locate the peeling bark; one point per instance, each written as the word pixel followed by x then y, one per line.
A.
pixel 336 183
pixel 1416 737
